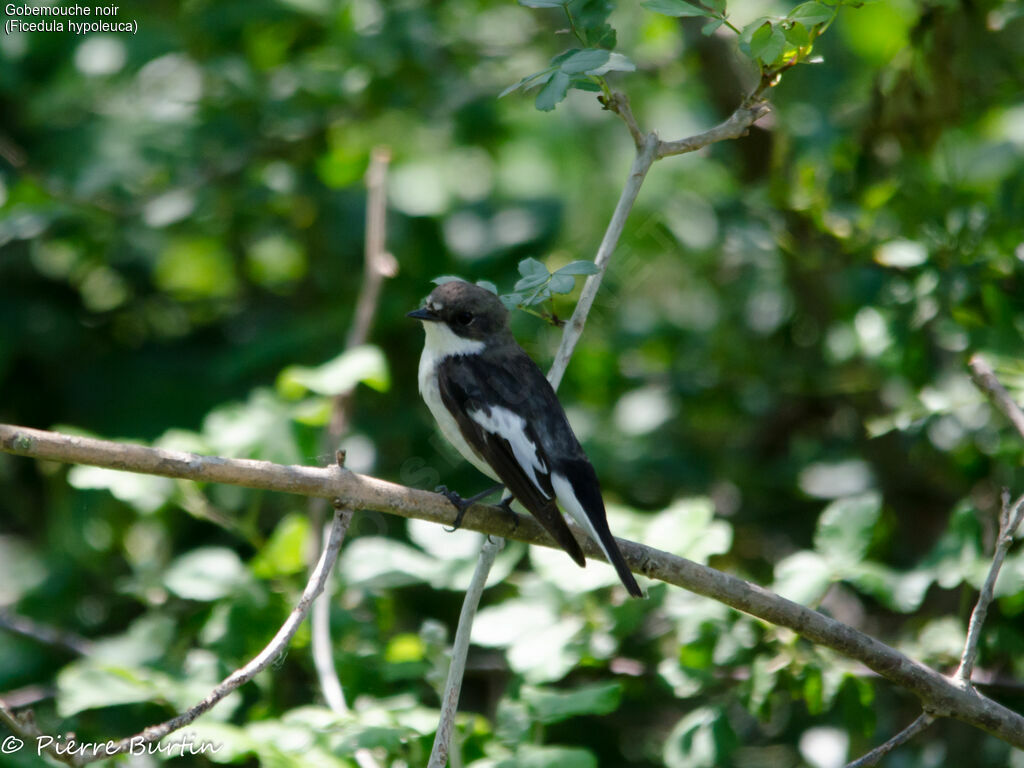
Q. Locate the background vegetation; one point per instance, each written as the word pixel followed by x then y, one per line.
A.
pixel 773 376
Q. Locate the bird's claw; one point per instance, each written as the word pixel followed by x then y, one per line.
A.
pixel 460 504
pixel 506 504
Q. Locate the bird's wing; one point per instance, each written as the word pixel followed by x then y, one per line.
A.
pixel 471 388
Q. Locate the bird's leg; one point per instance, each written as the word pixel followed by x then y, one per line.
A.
pixel 506 504
pixel 462 504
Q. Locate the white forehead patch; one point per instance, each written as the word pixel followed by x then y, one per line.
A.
pixel 436 306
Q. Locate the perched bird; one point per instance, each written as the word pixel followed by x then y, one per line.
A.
pixel 494 405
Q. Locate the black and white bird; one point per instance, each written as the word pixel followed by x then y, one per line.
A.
pixel 494 405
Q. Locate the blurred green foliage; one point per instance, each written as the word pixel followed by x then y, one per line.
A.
pixel 772 378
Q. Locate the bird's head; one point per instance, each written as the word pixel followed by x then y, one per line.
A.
pixel 468 311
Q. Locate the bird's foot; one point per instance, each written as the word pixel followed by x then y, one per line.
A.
pixel 506 504
pixel 461 504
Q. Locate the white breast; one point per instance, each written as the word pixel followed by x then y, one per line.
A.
pixel 441 343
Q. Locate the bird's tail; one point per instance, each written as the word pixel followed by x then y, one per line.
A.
pixel 611 550
pixel 583 501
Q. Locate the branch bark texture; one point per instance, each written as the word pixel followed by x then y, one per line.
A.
pixel 939 695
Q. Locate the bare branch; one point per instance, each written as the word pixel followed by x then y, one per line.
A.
pixel 938 695
pixel 619 104
pixel 1009 521
pixel 378 264
pixel 876 754
pixel 28 695
pixel 460 649
pixel 44 634
pixel 25 728
pixel 274 648
pixel 574 328
pixel 985 379
pixel 735 126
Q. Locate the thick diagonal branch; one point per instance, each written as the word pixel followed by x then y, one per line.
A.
pixel 938 694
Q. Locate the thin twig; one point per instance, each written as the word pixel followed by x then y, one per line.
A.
pixel 378 264
pixel 261 661
pixel 1010 517
pixel 570 336
pixel 1009 521
pixel 25 728
pixel 460 648
pixel 618 103
pixel 28 695
pixel 985 379
pixel 574 328
pixel 42 633
pixel 938 694
pixel 876 754
pixel 735 126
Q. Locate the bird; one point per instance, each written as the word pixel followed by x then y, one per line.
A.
pixel 493 404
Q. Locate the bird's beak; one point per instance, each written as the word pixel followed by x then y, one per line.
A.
pixel 423 314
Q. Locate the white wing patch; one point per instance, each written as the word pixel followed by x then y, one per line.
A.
pixel 567 498
pixel 512 427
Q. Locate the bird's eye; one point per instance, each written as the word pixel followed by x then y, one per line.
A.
pixel 464 318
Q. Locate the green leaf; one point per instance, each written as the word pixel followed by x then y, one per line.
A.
pixel 767 43
pixel 748 33
pixel 447 279
pixel 146 640
pixel 617 62
pixel 88 684
pixel 487 285
pixel 258 428
pixel 365 364
pixel 550 706
pixel 146 493
pixel 689 529
pixel 811 13
pixel 207 573
pixel 531 756
pixel 813 689
pixel 561 283
pixel 232 742
pixel 585 61
pixel 544 3
pixel 798 36
pixel 675 8
pixel 553 92
pixel 283 554
pixel 802 577
pixel 21 569
pixel 536 296
pixel 531 283
pixel 530 266
pixel 845 529
pixel 711 27
pixel 579 267
pixel 702 739
pixel 511 300
pixel 380 563
pixel 530 81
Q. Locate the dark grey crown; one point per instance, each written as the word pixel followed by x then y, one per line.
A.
pixel 470 311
